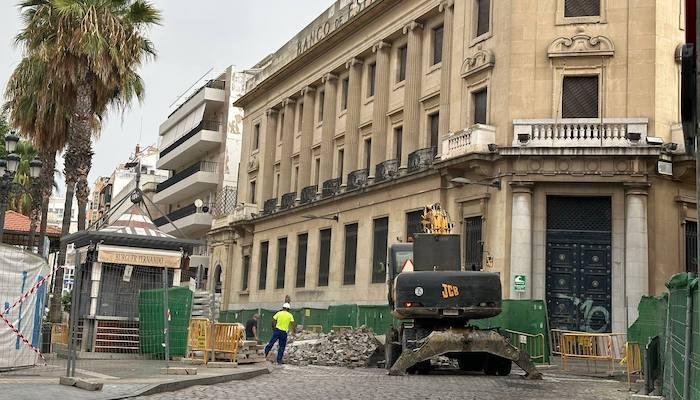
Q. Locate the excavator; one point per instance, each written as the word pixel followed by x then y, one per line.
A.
pixel 434 299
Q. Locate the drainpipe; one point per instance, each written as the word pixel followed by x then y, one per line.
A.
pixel 692 284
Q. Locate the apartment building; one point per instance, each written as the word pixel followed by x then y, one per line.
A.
pixel 548 129
pixel 200 146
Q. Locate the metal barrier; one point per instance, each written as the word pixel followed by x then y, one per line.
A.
pixel 555 337
pixel 534 345
pixel 59 334
pixel 633 361
pixel 227 339
pixel 199 338
pixel 594 347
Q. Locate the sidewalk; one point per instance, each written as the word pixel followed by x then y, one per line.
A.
pixel 121 378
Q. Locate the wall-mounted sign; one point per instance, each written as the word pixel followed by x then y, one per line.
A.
pixel 665 168
pixel 134 256
pixel 519 283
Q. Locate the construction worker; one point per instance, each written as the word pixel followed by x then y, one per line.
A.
pixel 281 323
pixel 251 328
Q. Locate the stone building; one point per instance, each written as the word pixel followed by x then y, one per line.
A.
pixel 549 130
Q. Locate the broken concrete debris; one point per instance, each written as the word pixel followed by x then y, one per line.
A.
pixel 345 348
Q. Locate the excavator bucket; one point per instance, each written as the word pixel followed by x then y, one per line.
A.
pixel 464 340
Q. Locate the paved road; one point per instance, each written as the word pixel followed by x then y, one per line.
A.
pixel 326 383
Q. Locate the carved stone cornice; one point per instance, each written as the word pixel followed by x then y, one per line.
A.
pixel 306 90
pixel 411 26
pixel 479 61
pixel 382 44
pixel 352 62
pixel 581 45
pixel 329 77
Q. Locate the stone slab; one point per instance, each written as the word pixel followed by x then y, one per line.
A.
pixel 80 383
pixel 178 371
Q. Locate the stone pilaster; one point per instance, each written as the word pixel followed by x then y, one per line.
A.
pixel 447 7
pixel 267 164
pixel 285 183
pixel 521 238
pixel 307 138
pixel 330 84
pixel 411 110
pixel 352 124
pixel 381 105
pixel 636 248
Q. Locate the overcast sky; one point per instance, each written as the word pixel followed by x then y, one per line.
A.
pixel 195 36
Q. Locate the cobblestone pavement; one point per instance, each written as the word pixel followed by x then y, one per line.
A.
pixel 290 382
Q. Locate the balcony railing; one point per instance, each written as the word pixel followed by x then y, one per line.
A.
pixel 473 140
pixel 331 187
pixel 288 200
pixel 202 166
pixel 386 170
pixel 212 84
pixel 202 126
pixel 583 132
pixel 421 159
pixel 308 194
pixel 270 206
pixel 226 202
pixel 357 179
pixel 176 215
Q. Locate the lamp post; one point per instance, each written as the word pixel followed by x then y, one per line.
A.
pixel 8 169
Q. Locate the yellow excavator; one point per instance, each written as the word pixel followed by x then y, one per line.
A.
pixel 434 299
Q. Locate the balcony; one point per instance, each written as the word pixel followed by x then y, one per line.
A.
pixel 197 178
pixel 584 132
pixel 213 92
pixel 288 200
pixel 270 206
pixel 308 194
pixel 188 220
pixel 421 159
pixel 192 146
pixel 331 187
pixel 239 213
pixel 473 140
pixel 386 170
pixel 357 179
pixel 199 257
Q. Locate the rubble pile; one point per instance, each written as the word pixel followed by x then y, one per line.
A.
pixel 346 348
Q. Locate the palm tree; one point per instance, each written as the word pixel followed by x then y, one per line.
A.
pixel 91 50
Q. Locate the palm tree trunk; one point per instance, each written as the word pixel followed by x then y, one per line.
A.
pixel 55 311
pixel 82 192
pixel 46 183
pixel 34 215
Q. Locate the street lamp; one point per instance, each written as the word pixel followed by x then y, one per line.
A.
pixel 8 169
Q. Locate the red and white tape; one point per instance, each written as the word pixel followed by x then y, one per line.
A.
pixel 31 291
pixel 24 339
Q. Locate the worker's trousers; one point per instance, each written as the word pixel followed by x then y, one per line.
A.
pixel 281 336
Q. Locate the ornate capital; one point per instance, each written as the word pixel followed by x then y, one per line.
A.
pixel 637 188
pixel 522 187
pixel 271 112
pixel 329 77
pixel 382 44
pixel 307 90
pixel 479 61
pixel 288 102
pixel 446 4
pixel 411 26
pixel 581 45
pixel 352 62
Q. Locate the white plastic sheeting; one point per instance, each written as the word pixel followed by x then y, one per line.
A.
pixel 19 272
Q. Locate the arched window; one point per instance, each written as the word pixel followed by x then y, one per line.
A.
pixel 217 279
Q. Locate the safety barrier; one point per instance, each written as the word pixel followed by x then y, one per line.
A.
pixel 341 328
pixel 632 361
pixel 227 339
pixel 555 336
pixel 608 347
pixel 59 334
pixel 314 328
pixel 534 345
pixel 198 338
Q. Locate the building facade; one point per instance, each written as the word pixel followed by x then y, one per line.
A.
pixel 200 146
pixel 549 130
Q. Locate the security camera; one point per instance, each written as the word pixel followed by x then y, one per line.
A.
pixel 654 141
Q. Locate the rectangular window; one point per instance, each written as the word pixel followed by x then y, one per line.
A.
pixel 252 192
pixel 437 44
pixel 246 271
pixel 398 137
pixel 371 78
pixel 324 257
pixel 434 128
pixel 350 254
pixel 581 8
pixel 691 249
pixel 401 57
pixel 379 249
pixel 321 101
pixel 473 246
pixel 317 173
pixel 300 117
pixel 413 225
pixel 344 94
pixel 296 177
pixel 339 164
pixel 368 152
pixel 262 278
pixel 281 262
pixel 579 97
pixel 479 99
pixel 483 17
pixel 277 185
pixel 302 245
pixel 256 137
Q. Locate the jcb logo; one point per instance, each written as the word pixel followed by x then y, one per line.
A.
pixel 449 291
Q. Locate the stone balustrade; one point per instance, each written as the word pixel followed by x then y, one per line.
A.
pixel 473 140
pixel 580 132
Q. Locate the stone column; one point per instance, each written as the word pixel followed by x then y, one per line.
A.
pixel 411 110
pixel 94 287
pixel 307 138
pixel 381 105
pixel 285 183
pixel 267 164
pixel 330 83
pixel 636 248
pixel 521 238
pixel 352 125
pixel 447 7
